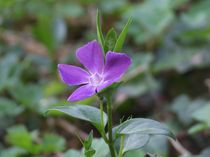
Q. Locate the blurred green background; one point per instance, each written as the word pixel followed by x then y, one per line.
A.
pixel 169 41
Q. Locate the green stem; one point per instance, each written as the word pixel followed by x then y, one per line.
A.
pixel 103 134
pixel 108 140
pixel 121 146
pixel 109 113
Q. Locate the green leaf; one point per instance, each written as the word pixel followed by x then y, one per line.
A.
pixel 197 128
pixel 149 20
pixel 158 145
pixel 101 148
pixel 89 151
pixel 9 72
pixel 135 141
pixel 50 31
pixel 43 32
pixel 9 107
pixel 53 88
pixel 202 114
pixel 110 40
pixel 197 15
pixel 122 36
pixel 99 31
pixel 183 106
pixel 28 95
pixel 83 112
pixel 144 126
pixel 20 137
pixel 88 141
pixel 52 143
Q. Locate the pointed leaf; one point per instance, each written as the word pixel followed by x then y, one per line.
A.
pixel 197 128
pixel 83 112
pixel 89 151
pixel 88 141
pixel 122 36
pixel 110 40
pixel 144 126
pixel 99 31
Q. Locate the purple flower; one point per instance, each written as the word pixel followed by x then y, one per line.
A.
pixel 98 74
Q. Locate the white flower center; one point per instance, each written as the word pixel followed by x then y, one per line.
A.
pixel 96 79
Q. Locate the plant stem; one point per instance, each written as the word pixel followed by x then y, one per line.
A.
pixel 109 113
pixel 103 134
pixel 109 140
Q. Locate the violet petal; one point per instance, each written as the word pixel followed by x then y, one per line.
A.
pixel 81 93
pixel 116 65
pixel 104 85
pixel 91 56
pixel 73 75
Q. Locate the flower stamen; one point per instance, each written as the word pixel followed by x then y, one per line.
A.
pixel 96 79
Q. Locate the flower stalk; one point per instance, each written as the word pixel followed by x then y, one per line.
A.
pixel 107 102
pixel 103 134
pixel 109 113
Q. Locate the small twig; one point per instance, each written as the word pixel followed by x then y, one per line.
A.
pixel 179 148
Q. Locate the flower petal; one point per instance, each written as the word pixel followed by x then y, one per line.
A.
pixel 81 93
pixel 72 75
pixel 104 85
pixel 116 65
pixel 91 56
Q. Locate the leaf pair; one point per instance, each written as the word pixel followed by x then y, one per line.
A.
pixel 111 42
pixel 137 131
